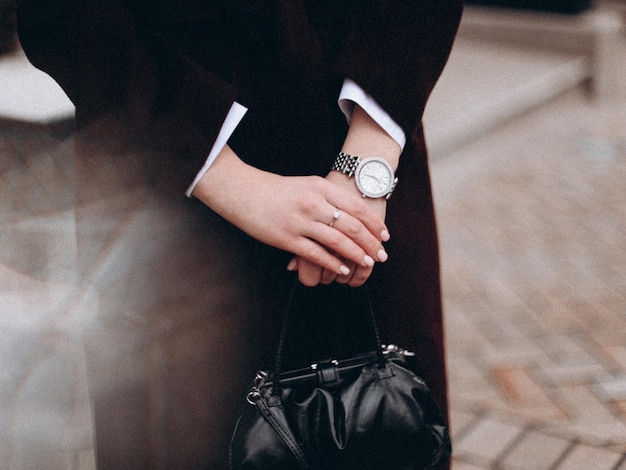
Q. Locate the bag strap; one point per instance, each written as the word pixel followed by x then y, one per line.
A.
pixel 286 316
pixel 283 431
pixel 266 410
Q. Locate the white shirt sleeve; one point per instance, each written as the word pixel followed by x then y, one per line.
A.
pixel 233 118
pixel 352 93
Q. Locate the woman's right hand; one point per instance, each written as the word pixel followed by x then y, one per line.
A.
pixel 294 214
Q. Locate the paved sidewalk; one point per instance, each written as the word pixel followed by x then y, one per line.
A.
pixel 533 229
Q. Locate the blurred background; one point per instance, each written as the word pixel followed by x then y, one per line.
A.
pixel 527 132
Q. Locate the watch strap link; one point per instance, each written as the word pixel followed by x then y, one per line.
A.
pixel 393 187
pixel 346 163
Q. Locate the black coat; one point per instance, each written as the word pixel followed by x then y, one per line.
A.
pixel 157 78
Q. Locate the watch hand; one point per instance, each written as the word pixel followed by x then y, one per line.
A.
pixel 371 176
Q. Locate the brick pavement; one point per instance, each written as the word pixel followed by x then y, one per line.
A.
pixel 533 229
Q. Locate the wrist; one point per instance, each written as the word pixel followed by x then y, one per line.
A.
pixel 342 180
pixel 228 176
pixel 366 138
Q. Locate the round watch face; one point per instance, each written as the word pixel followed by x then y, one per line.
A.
pixel 374 177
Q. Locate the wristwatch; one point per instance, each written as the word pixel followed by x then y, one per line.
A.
pixel 373 175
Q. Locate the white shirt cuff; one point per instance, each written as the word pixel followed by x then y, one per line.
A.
pixel 233 118
pixel 352 93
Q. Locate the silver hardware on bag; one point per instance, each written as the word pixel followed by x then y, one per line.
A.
pixel 392 348
pixel 327 372
pixel 315 366
pixel 255 392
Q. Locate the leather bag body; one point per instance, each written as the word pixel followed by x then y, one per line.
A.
pixel 368 411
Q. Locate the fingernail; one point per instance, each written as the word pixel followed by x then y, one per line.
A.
pixel 382 255
pixel 292 265
pixel 344 270
pixel 384 236
pixel 368 260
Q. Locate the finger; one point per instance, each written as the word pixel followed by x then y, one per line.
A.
pixel 337 242
pixel 328 277
pixel 336 215
pixel 293 264
pixel 362 211
pixel 316 254
pixel 358 232
pixel 346 279
pixel 357 246
pixel 309 274
pixel 359 276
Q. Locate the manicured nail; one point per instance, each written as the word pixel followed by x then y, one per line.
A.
pixel 382 255
pixel 384 236
pixel 344 270
pixel 368 260
pixel 292 265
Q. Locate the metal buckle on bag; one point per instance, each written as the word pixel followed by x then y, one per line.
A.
pixel 327 372
pixel 392 348
pixel 255 392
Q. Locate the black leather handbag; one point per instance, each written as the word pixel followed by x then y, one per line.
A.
pixel 366 412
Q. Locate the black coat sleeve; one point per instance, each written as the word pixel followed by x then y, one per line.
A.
pixel 115 71
pixel 396 51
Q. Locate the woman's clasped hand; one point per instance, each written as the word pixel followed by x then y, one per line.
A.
pixel 334 233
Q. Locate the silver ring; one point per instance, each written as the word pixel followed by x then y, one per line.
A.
pixel 336 215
